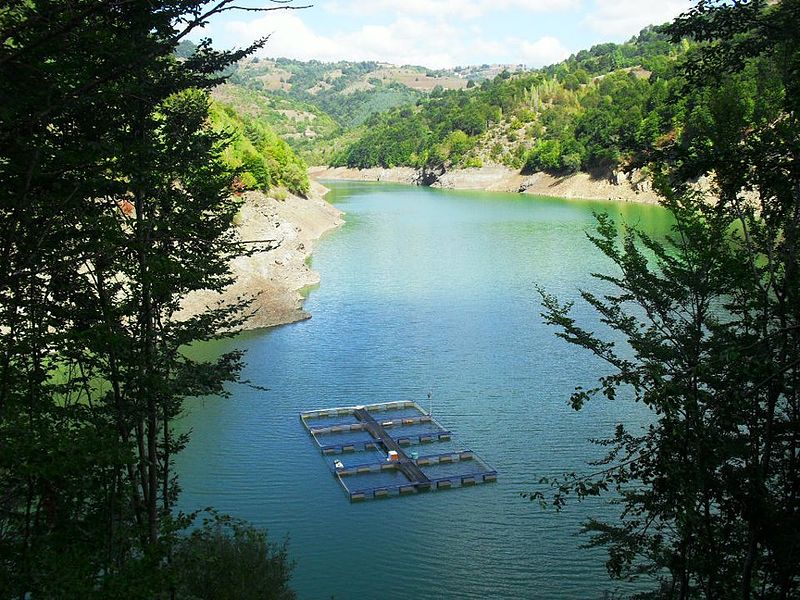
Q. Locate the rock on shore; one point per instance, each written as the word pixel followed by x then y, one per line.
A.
pixel 628 187
pixel 393 175
pixel 275 278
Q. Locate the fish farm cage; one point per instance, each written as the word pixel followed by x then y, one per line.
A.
pixel 373 450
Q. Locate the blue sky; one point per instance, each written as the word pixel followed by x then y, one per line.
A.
pixel 441 33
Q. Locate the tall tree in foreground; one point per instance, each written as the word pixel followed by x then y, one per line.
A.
pixel 114 204
pixel 711 323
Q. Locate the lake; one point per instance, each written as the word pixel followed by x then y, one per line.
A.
pixel 424 291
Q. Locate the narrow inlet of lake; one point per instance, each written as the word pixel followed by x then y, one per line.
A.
pixel 424 291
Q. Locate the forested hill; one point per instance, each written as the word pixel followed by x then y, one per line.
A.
pixel 350 92
pixel 261 159
pixel 609 107
pixel 319 107
pixel 599 108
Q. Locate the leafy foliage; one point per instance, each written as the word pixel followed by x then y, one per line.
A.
pixel 710 319
pixel 228 559
pixel 425 135
pixel 115 203
pixel 304 126
pixel 652 49
pixel 558 119
pixel 262 159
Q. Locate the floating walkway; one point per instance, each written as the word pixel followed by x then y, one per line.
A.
pixel 397 470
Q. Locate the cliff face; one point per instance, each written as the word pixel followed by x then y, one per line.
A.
pixel 274 278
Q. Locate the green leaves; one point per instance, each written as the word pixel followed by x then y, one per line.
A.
pixel 572 122
pixel 710 316
pixel 665 307
pixel 115 204
pixel 227 558
pixel 260 159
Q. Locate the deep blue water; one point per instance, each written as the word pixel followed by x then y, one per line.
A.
pixel 424 290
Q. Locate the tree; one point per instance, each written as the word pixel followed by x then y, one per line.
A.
pixel 227 558
pixel 115 204
pixel 544 156
pixel 710 321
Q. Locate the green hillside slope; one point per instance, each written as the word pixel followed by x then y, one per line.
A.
pixel 263 160
pixel 598 109
pixel 322 108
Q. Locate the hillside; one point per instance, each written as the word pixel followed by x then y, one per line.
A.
pixel 300 124
pixel 348 91
pixel 262 159
pixel 600 109
pixel 319 107
pixel 609 107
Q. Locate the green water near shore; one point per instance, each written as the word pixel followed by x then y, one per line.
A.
pixel 424 290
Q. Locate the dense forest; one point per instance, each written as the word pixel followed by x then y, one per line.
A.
pixel 609 106
pixel 321 107
pixel 261 159
pixel 599 108
pixel 118 188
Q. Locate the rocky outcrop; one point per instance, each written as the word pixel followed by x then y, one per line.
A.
pixel 393 175
pixel 430 176
pixel 274 277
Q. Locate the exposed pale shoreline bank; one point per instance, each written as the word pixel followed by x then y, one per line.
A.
pixel 498 178
pixel 275 277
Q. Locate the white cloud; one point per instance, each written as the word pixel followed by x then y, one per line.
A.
pixel 624 18
pixel 418 8
pixel 462 9
pixel 544 51
pixel 289 36
pixel 532 5
pixel 406 40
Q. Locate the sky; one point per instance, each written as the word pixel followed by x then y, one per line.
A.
pixel 439 33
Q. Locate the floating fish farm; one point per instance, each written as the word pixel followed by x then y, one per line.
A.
pixel 375 451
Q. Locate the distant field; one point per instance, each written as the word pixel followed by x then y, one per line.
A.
pixel 418 80
pixel 276 80
pixel 275 76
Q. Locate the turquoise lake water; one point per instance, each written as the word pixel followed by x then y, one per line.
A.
pixel 424 291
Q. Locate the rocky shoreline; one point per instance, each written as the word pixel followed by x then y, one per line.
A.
pixel 274 278
pixel 618 186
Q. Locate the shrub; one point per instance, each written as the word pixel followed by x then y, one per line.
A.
pixel 246 181
pixel 279 193
pixel 473 162
pixel 544 156
pixel 228 559
pixel 571 163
